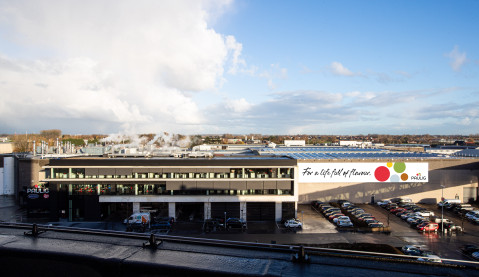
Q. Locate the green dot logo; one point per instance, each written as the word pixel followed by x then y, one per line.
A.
pixel 399 167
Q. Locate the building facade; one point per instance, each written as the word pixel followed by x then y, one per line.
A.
pixel 186 189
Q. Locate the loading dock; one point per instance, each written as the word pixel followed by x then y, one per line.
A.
pixel 190 211
pixel 260 211
pixel 218 209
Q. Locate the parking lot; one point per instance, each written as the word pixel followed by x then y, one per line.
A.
pixel 316 230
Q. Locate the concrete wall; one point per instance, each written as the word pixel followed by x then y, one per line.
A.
pixel 455 175
pixel 30 172
pixel 8 187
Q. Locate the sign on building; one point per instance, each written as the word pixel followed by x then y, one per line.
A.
pixel 362 172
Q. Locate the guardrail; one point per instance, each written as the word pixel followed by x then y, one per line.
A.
pixel 293 249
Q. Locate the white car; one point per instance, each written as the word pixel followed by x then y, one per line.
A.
pixel 344 223
pixel 343 217
pixel 383 202
pixel 430 258
pixel 293 223
pixel 425 213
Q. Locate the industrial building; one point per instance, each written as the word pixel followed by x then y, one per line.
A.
pixel 253 183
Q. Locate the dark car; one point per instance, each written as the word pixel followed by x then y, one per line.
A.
pixel 161 225
pixel 171 220
pixel 235 223
pixel 213 224
pixel 450 227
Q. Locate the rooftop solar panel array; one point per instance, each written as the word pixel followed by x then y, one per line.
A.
pixel 319 153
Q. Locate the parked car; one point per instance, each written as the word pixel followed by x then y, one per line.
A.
pixel 375 225
pixel 425 213
pixel 316 204
pixel 336 215
pixel 331 210
pixel 430 258
pixel 405 215
pixel 371 220
pixel 383 203
pixel 448 202
pixel 344 223
pixel 471 214
pixel 450 227
pixel 391 206
pixel 428 227
pixel 439 220
pixel 470 250
pixel 293 223
pixel 474 220
pixel 414 218
pixel 235 223
pixel 161 225
pixel 413 250
pixel 343 217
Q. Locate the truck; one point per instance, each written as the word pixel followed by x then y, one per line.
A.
pixel 138 218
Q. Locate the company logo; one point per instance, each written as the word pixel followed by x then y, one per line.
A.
pixel 418 177
pixel 45 190
pixel 394 172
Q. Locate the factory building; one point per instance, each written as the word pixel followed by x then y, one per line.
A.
pixel 266 184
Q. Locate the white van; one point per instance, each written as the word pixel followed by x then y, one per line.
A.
pixel 138 218
pixel 447 202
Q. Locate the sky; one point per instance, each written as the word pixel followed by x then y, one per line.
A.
pixel 240 67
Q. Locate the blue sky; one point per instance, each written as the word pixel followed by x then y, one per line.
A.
pixel 269 67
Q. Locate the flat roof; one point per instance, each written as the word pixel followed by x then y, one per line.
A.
pixel 218 161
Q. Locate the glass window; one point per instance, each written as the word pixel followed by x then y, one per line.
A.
pixel 84 189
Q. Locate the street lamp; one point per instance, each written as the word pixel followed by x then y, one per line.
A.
pixel 442 209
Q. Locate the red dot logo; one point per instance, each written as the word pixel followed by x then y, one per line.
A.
pixel 382 173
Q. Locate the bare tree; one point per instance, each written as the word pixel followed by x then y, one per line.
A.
pixel 20 143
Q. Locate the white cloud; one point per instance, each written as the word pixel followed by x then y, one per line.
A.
pixel 238 105
pixel 465 121
pixel 457 59
pixel 124 62
pixel 275 72
pixel 338 69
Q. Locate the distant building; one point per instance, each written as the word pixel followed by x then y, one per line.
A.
pixel 290 143
pixel 352 143
pixel 6 147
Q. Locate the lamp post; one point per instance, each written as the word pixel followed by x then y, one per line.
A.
pixel 442 209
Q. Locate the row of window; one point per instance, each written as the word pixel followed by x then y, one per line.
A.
pixel 238 173
pixel 160 189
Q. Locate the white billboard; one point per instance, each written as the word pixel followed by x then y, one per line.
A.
pixel 362 172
